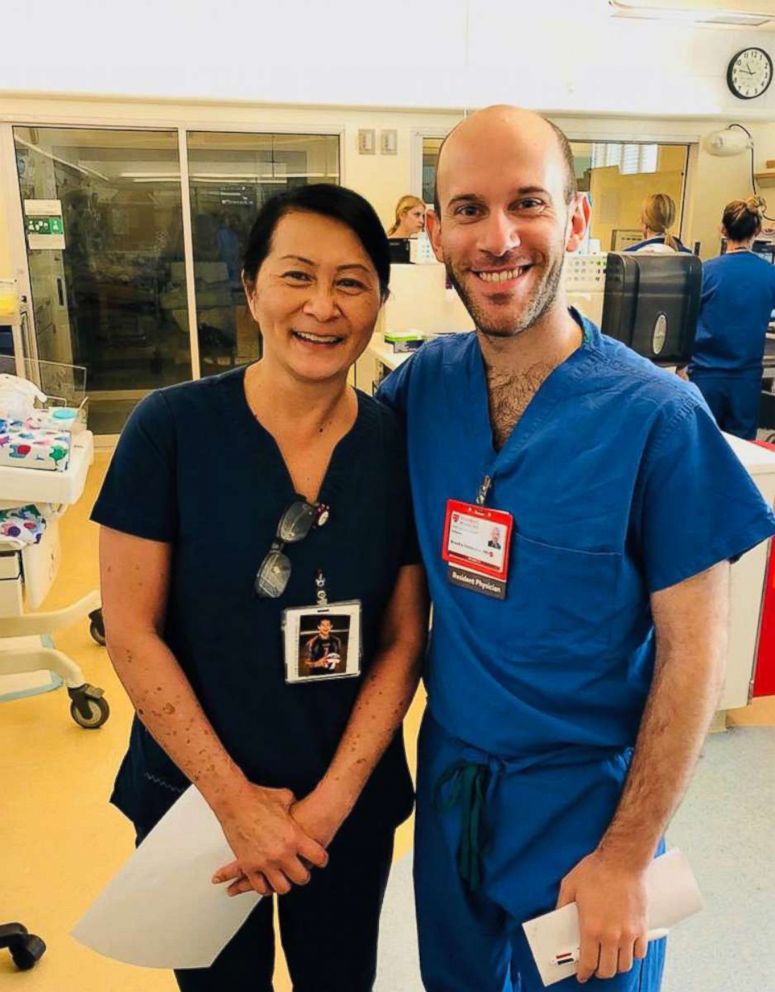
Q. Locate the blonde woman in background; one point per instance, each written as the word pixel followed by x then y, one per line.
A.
pixel 410 218
pixel 657 218
pixel 738 296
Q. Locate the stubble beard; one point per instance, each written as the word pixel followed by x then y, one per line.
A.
pixel 541 301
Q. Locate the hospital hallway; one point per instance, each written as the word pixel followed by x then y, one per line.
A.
pixel 60 840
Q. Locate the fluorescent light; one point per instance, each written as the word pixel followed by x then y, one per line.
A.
pixel 149 175
pixel 660 10
pixel 732 17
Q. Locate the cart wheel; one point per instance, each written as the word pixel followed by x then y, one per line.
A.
pixel 27 952
pixel 88 707
pixel 97 627
pixel 97 634
pixel 26 948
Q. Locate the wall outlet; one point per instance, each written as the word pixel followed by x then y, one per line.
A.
pixel 366 141
pixel 388 142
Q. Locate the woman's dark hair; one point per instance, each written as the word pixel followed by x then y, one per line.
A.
pixel 742 219
pixel 328 200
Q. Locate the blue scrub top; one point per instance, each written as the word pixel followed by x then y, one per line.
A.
pixel 195 469
pixel 738 295
pixel 659 240
pixel 620 485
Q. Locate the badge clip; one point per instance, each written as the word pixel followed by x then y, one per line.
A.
pixel 483 490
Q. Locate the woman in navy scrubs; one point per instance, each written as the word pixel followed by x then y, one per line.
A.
pixel 657 218
pixel 233 505
pixel 738 296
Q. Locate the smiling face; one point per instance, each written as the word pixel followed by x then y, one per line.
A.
pixel 324 628
pixel 505 223
pixel 316 297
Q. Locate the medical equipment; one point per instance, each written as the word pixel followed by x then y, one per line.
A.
pixel 27 571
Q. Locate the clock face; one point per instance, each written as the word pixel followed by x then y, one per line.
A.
pixel 749 73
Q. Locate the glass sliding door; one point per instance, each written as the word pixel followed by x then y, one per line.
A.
pixel 104 294
pixel 230 176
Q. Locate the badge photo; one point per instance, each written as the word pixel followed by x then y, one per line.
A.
pixel 322 642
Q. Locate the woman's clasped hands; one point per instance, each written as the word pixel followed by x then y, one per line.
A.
pixel 276 840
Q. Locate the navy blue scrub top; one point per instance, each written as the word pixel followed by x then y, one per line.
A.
pixel 194 468
pixel 738 296
pixel 620 485
pixel 659 240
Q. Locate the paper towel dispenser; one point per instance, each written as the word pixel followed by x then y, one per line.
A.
pixel 651 303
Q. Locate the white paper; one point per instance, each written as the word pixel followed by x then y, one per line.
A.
pixel 162 910
pixel 673 895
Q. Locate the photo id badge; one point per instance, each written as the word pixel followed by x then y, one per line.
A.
pixel 322 642
pixel 476 547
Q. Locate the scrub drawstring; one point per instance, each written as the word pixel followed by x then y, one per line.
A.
pixel 466 784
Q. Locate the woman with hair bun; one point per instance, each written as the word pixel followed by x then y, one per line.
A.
pixel 657 218
pixel 738 296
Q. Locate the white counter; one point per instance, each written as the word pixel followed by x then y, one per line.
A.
pixel 384 353
pixel 419 300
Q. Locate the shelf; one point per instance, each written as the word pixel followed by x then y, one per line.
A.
pixel 765 178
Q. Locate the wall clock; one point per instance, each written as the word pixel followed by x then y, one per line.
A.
pixel 749 73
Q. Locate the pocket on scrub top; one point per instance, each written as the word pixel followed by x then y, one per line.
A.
pixel 563 598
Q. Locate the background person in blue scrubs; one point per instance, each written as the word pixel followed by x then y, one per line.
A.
pixel 738 296
pixel 202 477
pixel 563 721
pixel 657 218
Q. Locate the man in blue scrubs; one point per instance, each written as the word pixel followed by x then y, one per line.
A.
pixel 570 684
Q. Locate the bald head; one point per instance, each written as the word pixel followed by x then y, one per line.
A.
pixel 496 130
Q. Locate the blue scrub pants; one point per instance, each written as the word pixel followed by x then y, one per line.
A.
pixel 539 820
pixel 733 400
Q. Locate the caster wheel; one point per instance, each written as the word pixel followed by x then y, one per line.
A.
pixel 88 707
pixel 27 952
pixel 97 634
pixel 26 948
pixel 97 627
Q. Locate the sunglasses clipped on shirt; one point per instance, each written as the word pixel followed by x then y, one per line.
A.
pixel 297 521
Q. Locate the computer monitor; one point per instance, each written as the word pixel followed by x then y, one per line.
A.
pixel 399 250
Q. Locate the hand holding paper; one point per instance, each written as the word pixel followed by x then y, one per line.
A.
pixel 672 893
pixel 162 909
pixel 611 900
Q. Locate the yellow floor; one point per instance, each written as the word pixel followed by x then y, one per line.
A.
pixel 60 841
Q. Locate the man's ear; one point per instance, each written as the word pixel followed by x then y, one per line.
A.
pixel 433 227
pixel 578 222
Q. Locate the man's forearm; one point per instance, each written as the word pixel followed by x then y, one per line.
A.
pixel 688 677
pixel 169 709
